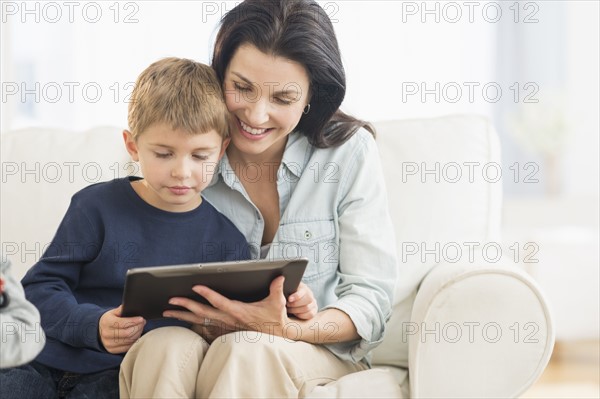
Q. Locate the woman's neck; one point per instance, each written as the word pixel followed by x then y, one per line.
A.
pixel 272 156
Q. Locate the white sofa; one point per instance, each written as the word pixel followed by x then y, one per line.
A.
pixel 464 324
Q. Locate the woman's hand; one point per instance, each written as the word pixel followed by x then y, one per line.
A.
pixel 225 315
pixel 117 333
pixel 302 303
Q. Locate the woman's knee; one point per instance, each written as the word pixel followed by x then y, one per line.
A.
pixel 163 363
pixel 250 345
pixel 167 341
pixel 170 335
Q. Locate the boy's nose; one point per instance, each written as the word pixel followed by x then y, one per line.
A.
pixel 182 170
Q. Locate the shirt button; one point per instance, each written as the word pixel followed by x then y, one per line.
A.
pixel 307 235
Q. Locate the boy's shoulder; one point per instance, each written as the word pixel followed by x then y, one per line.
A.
pixel 209 209
pixel 101 193
pixel 220 221
pixel 102 188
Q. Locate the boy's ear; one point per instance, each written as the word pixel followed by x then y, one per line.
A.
pixel 130 145
pixel 224 147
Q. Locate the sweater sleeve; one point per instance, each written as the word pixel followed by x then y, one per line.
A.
pixel 50 283
pixel 20 334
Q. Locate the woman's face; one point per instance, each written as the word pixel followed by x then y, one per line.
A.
pixel 266 95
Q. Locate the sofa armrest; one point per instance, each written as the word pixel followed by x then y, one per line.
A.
pixel 477 332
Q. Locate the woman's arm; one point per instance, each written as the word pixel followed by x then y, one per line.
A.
pixel 368 266
pixel 329 326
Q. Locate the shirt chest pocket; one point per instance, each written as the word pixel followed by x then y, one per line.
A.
pixel 314 240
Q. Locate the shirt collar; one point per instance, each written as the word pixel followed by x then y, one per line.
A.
pixel 223 169
pixel 296 153
pixel 295 158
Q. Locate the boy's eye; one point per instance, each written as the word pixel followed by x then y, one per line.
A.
pixel 162 154
pixel 200 157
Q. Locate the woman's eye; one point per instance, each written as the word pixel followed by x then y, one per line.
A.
pixel 162 154
pixel 283 101
pixel 241 88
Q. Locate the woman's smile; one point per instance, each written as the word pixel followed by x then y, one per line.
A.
pixel 252 133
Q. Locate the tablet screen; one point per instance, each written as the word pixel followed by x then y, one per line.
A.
pixel 148 290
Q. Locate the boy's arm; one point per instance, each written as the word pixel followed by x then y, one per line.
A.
pixel 50 283
pixel 21 336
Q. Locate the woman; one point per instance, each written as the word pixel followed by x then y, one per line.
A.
pixel 300 178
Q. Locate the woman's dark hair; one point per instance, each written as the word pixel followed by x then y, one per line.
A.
pixel 301 31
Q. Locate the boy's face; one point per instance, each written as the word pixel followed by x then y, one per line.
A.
pixel 176 165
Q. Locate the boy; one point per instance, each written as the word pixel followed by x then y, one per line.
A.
pixel 178 132
pixel 21 337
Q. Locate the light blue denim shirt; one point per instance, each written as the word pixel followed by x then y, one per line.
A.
pixel 334 212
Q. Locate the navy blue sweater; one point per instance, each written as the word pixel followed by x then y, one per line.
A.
pixel 107 230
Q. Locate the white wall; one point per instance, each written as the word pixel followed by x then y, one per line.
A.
pixel 380 54
pixel 581 167
pixel 389 48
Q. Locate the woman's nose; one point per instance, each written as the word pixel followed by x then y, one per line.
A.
pixel 257 112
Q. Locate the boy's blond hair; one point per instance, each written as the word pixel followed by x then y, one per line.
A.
pixel 181 93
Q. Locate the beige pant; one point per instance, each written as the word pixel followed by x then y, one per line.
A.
pixel 174 362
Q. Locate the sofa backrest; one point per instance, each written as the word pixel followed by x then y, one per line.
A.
pixel 443 179
pixel 41 170
pixel 440 175
pixel 439 172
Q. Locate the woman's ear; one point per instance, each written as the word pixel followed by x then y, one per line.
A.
pixel 130 145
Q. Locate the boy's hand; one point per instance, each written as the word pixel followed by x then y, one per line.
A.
pixel 302 303
pixel 117 333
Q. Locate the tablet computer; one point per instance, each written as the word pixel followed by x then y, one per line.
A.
pixel 148 289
